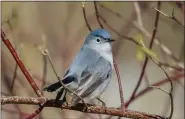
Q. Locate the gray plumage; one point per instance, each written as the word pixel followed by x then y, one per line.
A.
pixel 91 70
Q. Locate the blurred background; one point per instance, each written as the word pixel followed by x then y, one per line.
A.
pixel 60 27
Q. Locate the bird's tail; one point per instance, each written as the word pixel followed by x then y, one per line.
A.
pixel 53 87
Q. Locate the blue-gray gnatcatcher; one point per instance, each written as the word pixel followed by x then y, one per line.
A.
pixel 91 70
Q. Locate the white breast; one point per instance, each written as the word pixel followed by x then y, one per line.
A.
pixel 108 57
pixel 105 51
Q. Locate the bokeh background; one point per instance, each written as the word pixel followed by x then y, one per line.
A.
pixel 60 27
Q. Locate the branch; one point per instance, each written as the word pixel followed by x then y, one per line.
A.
pixel 119 84
pixel 177 77
pixel 97 14
pixel 171 17
pixel 115 64
pixel 46 52
pixel 144 31
pixel 171 85
pixel 119 34
pixel 20 64
pixel 80 107
pixel 84 14
pixel 146 59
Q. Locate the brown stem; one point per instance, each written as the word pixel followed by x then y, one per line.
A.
pixel 80 107
pixel 146 59
pixel 97 14
pixel 159 83
pixel 115 64
pixel 85 17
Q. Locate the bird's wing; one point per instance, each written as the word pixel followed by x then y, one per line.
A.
pixel 96 74
pixel 86 57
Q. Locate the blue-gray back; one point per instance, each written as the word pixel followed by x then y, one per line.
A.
pixel 85 58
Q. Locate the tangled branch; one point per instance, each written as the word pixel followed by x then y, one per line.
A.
pixel 46 102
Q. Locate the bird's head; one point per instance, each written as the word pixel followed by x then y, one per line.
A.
pixel 99 40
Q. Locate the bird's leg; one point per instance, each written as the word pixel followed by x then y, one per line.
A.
pixel 103 103
pixel 59 94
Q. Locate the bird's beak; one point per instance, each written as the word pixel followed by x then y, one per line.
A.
pixel 110 40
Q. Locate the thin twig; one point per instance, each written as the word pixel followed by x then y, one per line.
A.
pixel 145 32
pixel 43 84
pixel 171 17
pixel 138 12
pixel 178 68
pixel 171 89
pixel 85 17
pixel 140 22
pixel 80 107
pixel 46 52
pixel 115 31
pixel 109 10
pixel 145 76
pixel 177 77
pixel 20 64
pixel 44 70
pixel 97 14
pixel 115 64
pixel 146 59
pixel 119 84
pixel 156 87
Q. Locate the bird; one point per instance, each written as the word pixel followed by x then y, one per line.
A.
pixel 90 72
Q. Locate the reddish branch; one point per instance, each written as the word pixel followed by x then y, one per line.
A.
pixel 146 59
pixel 20 64
pixel 115 64
pixel 37 111
pixel 177 77
pixel 163 47
pixel 22 67
pixel 119 84
pixel 80 107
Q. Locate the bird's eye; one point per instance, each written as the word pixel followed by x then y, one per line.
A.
pixel 98 40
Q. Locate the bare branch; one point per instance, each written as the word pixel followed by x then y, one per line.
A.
pixel 115 64
pixel 119 84
pixel 171 17
pixel 115 31
pixel 85 17
pixel 145 32
pixel 80 107
pixel 146 59
pixel 177 77
pixel 138 12
pixel 109 10
pixel 97 14
pixel 46 52
pixel 171 89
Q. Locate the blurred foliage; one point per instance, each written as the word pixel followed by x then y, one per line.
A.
pixel 142 50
